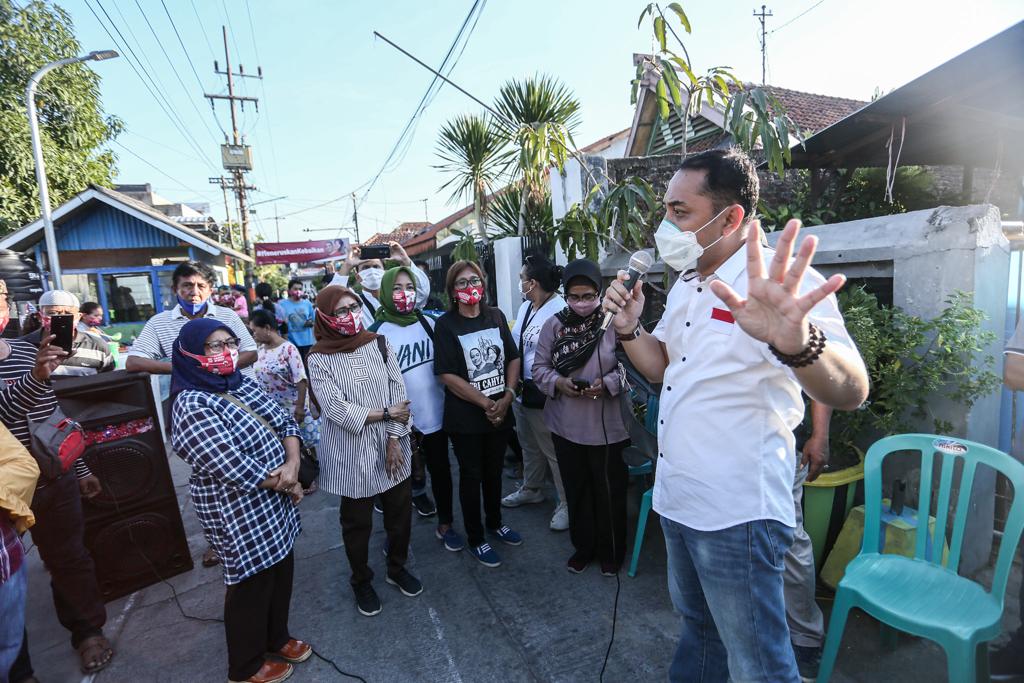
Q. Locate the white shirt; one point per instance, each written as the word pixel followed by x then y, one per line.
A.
pixel 414 351
pixel 728 408
pixel 537 318
pixel 156 340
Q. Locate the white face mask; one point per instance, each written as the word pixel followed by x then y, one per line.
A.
pixel 525 292
pixel 371 277
pixel 679 248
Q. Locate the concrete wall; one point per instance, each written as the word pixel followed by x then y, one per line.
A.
pixel 929 255
pixel 508 261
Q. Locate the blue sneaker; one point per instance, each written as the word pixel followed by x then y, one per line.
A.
pixel 507 536
pixel 486 555
pixel 452 540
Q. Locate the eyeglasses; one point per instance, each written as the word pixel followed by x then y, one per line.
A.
pixel 584 298
pixel 353 309
pixel 219 346
pixel 462 283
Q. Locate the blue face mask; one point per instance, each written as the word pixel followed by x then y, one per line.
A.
pixel 191 308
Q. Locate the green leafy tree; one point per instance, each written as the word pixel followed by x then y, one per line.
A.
pixel 753 117
pixel 73 126
pixel 538 117
pixel 472 151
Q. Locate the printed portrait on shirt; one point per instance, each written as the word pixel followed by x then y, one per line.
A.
pixel 485 362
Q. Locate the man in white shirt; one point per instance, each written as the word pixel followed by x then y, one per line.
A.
pixel 738 342
pixel 369 273
pixel 193 285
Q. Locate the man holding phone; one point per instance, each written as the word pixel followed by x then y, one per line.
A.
pixel 368 264
pixel 87 353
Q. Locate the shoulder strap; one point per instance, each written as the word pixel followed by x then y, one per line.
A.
pixel 426 326
pixel 382 344
pixel 249 410
pixel 366 302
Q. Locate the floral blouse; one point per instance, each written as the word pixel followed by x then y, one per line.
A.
pixel 279 371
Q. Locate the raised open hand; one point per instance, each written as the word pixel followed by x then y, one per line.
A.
pixel 774 311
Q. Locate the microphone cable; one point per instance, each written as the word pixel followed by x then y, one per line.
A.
pixel 174 593
pixel 611 515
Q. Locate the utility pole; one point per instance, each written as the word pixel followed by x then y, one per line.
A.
pixel 237 157
pixel 425 211
pixel 355 216
pixel 277 222
pixel 762 17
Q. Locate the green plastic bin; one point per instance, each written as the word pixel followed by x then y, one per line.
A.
pixel 826 502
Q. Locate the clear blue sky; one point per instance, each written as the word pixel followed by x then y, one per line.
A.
pixel 334 99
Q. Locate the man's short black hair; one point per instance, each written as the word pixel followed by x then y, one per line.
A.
pixel 729 177
pixel 292 283
pixel 190 268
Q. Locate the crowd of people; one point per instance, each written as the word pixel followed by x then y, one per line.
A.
pixel 361 381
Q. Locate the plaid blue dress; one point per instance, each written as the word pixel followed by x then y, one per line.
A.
pixel 230 453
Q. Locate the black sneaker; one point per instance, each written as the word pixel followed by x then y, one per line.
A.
pixel 367 601
pixel 407 583
pixel 424 506
pixel 1006 663
pixel 808 660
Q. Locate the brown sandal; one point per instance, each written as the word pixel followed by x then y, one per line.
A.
pixel 210 558
pixel 95 653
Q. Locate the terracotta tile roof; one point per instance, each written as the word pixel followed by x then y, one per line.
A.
pixel 813 112
pixel 402 234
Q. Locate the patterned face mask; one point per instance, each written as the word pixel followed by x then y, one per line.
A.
pixel 92 320
pixel 223 363
pixel 405 301
pixel 346 325
pixel 473 294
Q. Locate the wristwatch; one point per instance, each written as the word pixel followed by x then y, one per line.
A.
pixel 630 336
pixel 387 416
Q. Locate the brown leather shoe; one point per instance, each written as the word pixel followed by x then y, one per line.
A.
pixel 294 651
pixel 271 672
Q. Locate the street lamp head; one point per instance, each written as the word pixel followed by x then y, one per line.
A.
pixel 100 55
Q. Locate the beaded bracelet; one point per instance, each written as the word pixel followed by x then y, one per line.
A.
pixel 815 347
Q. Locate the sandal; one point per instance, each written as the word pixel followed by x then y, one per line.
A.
pixel 95 653
pixel 210 558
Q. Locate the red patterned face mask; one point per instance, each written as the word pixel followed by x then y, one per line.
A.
pixel 92 320
pixel 473 294
pixel 346 325
pixel 223 363
pixel 4 319
pixel 405 302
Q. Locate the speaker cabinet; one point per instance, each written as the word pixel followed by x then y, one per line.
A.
pixel 133 529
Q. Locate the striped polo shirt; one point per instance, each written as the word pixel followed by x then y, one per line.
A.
pixel 156 341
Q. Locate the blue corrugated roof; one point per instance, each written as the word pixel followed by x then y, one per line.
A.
pixel 104 227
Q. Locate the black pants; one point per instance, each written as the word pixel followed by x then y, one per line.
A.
pixel 59 533
pixel 480 460
pixel 356 516
pixel 256 617
pixel 418 474
pixel 595 480
pixel 434 448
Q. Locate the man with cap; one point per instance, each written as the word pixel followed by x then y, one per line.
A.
pixel 89 353
pixel 26 392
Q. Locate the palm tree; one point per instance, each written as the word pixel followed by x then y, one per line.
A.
pixel 538 117
pixel 471 149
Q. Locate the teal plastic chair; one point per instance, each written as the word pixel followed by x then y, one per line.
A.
pixel 922 595
pixel 650 445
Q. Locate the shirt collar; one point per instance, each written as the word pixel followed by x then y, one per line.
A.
pixel 176 312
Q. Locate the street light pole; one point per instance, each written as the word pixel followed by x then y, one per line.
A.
pixel 37 152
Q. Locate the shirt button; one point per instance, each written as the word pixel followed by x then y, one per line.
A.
pixel 684 359
pixel 662 421
pixel 668 388
pixel 700 289
pixel 687 323
pixel 661 455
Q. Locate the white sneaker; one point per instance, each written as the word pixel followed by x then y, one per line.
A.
pixel 560 520
pixel 523 496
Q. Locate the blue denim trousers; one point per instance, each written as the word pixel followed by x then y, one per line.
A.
pixel 12 622
pixel 727 585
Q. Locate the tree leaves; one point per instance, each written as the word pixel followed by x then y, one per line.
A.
pixel 73 126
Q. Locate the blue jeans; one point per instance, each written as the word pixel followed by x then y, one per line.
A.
pixel 12 625
pixel 727 584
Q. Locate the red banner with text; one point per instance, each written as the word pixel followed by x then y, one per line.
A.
pixel 300 252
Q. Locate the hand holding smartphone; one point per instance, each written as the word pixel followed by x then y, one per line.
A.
pixel 63 328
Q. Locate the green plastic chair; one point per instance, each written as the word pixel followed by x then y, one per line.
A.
pixel 644 440
pixel 921 595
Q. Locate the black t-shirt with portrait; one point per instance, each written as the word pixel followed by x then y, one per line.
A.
pixel 478 350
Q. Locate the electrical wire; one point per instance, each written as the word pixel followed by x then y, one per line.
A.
pixel 199 25
pixel 199 81
pixel 174 69
pixel 160 100
pixel 263 91
pixel 796 17
pixel 159 170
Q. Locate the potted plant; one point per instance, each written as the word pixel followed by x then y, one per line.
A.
pixel 909 360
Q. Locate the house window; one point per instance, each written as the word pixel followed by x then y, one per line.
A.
pixel 83 285
pixel 129 297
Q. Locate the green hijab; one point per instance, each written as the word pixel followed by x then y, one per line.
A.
pixel 386 312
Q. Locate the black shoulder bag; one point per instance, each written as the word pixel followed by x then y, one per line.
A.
pixel 531 395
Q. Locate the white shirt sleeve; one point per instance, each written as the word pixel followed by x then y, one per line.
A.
pixel 147 344
pixel 422 286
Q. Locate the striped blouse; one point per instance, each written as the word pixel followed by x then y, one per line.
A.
pixel 347 387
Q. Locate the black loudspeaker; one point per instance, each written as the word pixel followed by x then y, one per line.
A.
pixel 133 528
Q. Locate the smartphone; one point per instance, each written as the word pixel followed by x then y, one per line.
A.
pixel 63 327
pixel 581 384
pixel 381 251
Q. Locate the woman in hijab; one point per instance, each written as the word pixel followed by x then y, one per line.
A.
pixel 364 439
pixel 244 452
pixel 575 366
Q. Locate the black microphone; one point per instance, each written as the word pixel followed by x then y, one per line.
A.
pixel 639 263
